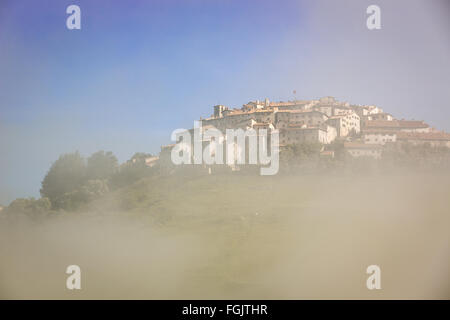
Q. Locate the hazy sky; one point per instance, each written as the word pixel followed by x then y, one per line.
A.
pixel 139 69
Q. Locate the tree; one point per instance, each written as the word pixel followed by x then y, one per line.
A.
pixel 30 206
pixel 91 190
pixel 101 165
pixel 65 175
pixel 140 157
pixel 131 172
pixel 301 154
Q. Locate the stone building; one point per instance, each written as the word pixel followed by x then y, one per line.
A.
pixel 364 128
pixel 357 150
pixel 396 125
pixel 310 134
pixel 380 116
pixel 345 124
pixel 435 139
pixel 379 136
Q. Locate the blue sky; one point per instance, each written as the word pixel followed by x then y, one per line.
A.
pixel 139 69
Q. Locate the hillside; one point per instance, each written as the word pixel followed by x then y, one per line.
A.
pixel 243 236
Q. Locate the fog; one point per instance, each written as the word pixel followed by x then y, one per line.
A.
pixel 240 236
pixel 133 74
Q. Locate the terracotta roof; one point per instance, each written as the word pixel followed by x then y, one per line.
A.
pixel 378 130
pixel 169 146
pixel 381 113
pixel 412 124
pixel 340 107
pixel 430 136
pixel 240 112
pixel 398 124
pixel 381 124
pixel 288 103
pixel 301 111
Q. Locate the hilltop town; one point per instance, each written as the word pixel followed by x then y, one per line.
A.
pixel 364 130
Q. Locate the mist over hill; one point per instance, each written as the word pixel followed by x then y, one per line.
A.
pixel 290 236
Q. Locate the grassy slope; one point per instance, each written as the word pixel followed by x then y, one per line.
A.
pixel 260 231
pixel 238 236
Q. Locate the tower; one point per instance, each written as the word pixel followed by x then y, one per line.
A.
pixel 218 111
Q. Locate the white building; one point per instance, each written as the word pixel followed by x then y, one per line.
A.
pixel 379 136
pixel 433 138
pixel 346 123
pixel 357 150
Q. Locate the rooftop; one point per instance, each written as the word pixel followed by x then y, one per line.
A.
pixel 430 136
pixel 399 124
